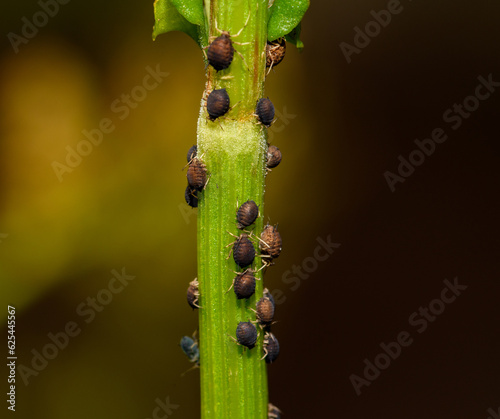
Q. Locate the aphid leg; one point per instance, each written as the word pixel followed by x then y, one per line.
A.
pixel 242 59
pixel 245 25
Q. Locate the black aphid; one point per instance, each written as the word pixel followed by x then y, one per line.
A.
pixel 244 285
pixel 190 347
pixel 271 348
pixel 197 174
pixel 273 156
pixel 243 251
pixel 246 334
pixel 193 294
pixel 247 214
pixel 217 103
pixel 192 153
pixel 221 51
pixel 265 111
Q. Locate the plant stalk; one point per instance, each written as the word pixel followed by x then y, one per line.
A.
pixel 233 378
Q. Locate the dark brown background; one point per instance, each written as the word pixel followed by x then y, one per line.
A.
pixel 123 206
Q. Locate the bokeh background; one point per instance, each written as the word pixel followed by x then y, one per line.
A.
pixel 342 125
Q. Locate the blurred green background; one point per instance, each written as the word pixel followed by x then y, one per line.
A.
pixel 341 126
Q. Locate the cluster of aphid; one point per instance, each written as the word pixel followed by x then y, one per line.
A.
pixel 220 54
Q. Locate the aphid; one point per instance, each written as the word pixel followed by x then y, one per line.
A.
pixel 273 156
pixel 244 285
pixel 190 347
pixel 193 294
pixel 246 334
pixel 247 214
pixel 265 111
pixel 221 51
pixel 268 295
pixel 265 311
pixel 273 412
pixel 191 196
pixel 197 174
pixel 270 241
pixel 217 103
pixel 271 348
pixel 192 153
pixel 275 52
pixel 243 251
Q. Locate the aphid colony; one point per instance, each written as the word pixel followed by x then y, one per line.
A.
pixel 220 55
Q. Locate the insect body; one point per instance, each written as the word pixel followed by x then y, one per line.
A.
pixel 217 103
pixel 270 241
pixel 193 294
pixel 273 157
pixel 265 111
pixel 247 214
pixel 271 348
pixel 191 196
pixel 265 311
pixel 246 334
pixel 221 51
pixel 244 285
pixel 197 174
pixel 243 251
pixel 275 52
pixel 190 347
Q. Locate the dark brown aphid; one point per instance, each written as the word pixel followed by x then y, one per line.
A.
pixel 221 51
pixel 217 103
pixel 273 412
pixel 192 153
pixel 193 294
pixel 271 348
pixel 265 311
pixel 275 52
pixel 197 174
pixel 244 285
pixel 270 241
pixel 243 251
pixel 191 196
pixel 273 156
pixel 246 334
pixel 247 214
pixel 265 111
pixel 268 295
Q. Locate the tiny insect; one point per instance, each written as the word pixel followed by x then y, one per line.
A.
pixel 243 251
pixel 269 296
pixel 197 174
pixel 271 348
pixel 247 214
pixel 191 196
pixel 221 51
pixel 244 284
pixel 192 153
pixel 275 52
pixel 265 111
pixel 270 243
pixel 193 294
pixel 265 311
pixel 273 412
pixel 217 103
pixel 273 157
pixel 246 334
pixel 190 347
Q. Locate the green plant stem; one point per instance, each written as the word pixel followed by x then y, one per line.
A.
pixel 233 378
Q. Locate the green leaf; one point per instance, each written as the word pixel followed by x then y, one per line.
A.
pixel 294 37
pixel 168 19
pixel 191 10
pixel 285 16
